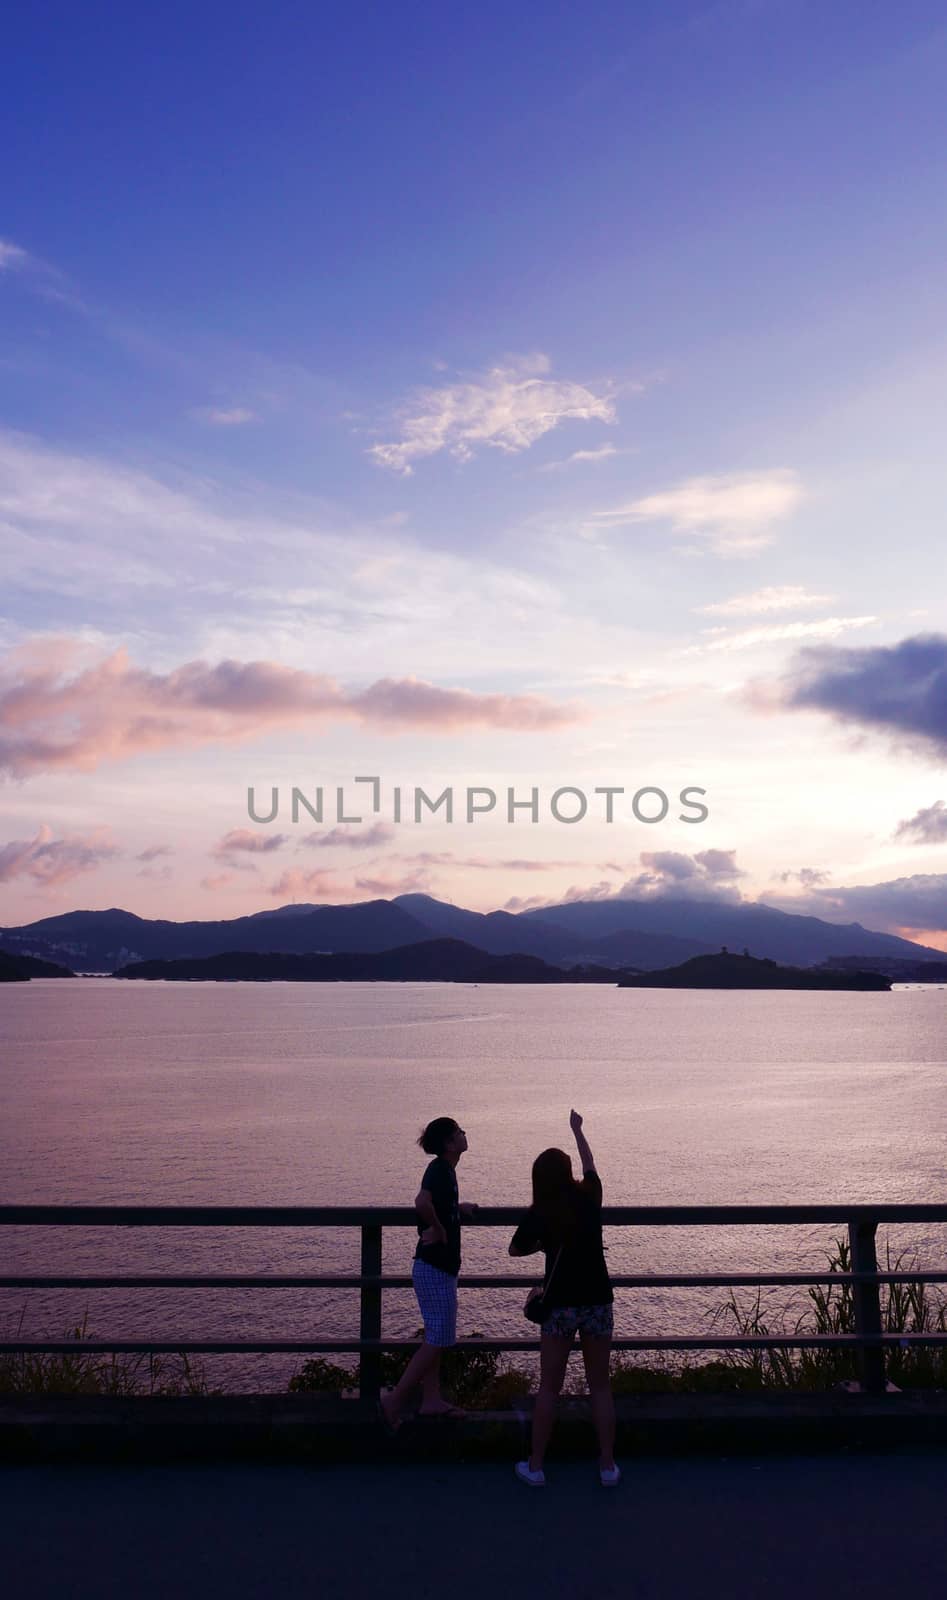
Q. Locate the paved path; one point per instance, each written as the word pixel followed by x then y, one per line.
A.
pixel 763 1528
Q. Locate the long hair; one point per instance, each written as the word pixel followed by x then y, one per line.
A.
pixel 554 1190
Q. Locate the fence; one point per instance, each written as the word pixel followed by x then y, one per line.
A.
pixel 868 1341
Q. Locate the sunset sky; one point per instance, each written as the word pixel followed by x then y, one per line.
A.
pixel 495 396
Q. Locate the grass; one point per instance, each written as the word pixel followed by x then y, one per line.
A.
pixel 481 1380
pixel 475 1379
pixel 89 1372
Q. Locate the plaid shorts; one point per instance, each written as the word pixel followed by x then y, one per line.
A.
pixel 565 1321
pixel 437 1297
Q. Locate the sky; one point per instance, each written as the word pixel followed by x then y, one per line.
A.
pixel 528 398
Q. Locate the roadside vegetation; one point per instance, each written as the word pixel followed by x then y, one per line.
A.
pixel 486 1380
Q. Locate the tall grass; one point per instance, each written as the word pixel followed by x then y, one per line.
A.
pixel 91 1372
pixel 906 1307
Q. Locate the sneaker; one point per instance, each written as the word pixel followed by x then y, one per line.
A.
pixel 609 1477
pixel 525 1473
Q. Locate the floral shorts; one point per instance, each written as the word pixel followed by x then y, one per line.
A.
pixel 565 1321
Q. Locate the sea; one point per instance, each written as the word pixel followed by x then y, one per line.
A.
pixel 119 1093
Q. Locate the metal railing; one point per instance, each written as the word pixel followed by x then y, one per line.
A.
pixel 868 1342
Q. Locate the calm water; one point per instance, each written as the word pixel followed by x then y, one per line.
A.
pixel 119 1093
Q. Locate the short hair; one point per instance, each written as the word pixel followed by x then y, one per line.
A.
pixel 435 1136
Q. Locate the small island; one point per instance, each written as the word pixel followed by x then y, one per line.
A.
pixel 728 971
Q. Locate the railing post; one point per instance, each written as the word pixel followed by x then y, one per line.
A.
pixel 867 1303
pixel 370 1320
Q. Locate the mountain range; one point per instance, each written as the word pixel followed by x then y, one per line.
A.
pixel 617 933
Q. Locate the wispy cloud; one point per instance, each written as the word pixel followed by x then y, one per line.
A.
pixel 735 514
pixel 582 457
pixel 507 408
pixel 927 826
pixel 50 861
pixel 65 705
pixel 380 833
pixel 12 257
pixel 783 597
pixel 222 417
pixel 154 851
pixel 242 841
pixel 778 632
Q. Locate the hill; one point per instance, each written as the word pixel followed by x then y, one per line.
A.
pixel 431 961
pixel 18 969
pixel 725 971
pixel 617 933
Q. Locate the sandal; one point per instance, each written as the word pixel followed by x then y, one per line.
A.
pixel 391 1428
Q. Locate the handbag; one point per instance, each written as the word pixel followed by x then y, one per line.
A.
pixel 535 1308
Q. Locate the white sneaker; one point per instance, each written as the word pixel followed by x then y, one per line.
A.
pixel 609 1477
pixel 536 1480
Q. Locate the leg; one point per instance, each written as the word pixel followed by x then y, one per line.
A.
pixel 421 1369
pixel 553 1360
pixel 596 1351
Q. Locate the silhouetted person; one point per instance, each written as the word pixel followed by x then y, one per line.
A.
pixel 436 1265
pixel 565 1221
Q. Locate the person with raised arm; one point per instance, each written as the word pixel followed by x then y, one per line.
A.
pixel 565 1221
pixel 434 1274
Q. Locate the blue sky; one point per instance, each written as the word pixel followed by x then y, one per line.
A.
pixel 508 350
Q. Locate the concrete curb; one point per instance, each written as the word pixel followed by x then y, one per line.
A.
pixel 323 1429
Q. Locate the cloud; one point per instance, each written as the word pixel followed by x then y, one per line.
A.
pixel 904 906
pixel 219 417
pixel 351 838
pixel 154 851
pixel 218 881
pixel 809 877
pixel 242 841
pixel 927 826
pixel 779 632
pixel 783 597
pixel 671 874
pixel 156 874
pixel 582 456
pixel 315 884
pixel 507 408
pixel 386 885
pixel 734 513
pixel 12 258
pixel 899 689
pixel 65 705
pixel 50 861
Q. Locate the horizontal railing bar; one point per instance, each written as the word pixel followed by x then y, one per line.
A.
pixel 487 1216
pixel 510 1281
pixel 815 1341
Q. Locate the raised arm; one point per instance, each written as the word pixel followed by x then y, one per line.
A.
pixel 582 1143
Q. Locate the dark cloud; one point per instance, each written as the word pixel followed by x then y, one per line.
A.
pixel 915 903
pixel 809 877
pixel 901 688
pixel 927 826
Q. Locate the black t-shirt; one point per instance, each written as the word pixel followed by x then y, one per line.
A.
pixel 581 1277
pixel 440 1181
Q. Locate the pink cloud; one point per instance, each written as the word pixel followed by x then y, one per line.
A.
pixel 63 706
pixel 351 838
pixel 50 861
pixel 153 852
pixel 243 841
pixel 294 884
